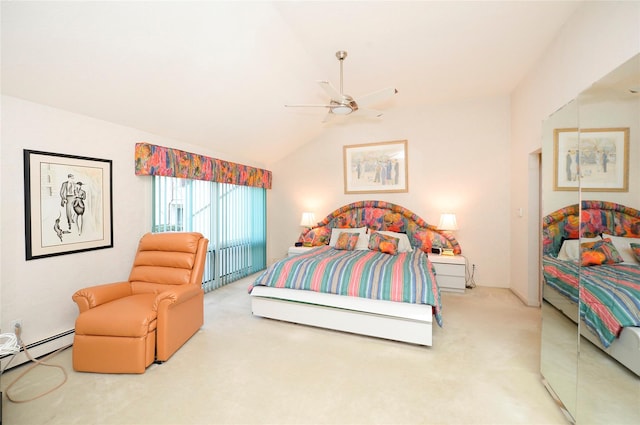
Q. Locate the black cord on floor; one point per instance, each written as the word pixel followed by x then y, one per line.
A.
pixel 469 278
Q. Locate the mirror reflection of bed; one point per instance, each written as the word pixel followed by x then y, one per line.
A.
pixel 609 295
pixel 609 289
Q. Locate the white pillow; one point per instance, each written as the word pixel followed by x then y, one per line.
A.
pixel 363 242
pixel 570 249
pixel 363 239
pixel 623 247
pixel 403 244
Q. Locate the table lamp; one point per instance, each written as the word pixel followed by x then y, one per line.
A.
pixel 308 220
pixel 448 223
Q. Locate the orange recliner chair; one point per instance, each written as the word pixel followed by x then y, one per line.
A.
pixel 123 327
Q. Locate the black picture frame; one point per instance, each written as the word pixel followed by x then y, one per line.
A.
pixel 68 204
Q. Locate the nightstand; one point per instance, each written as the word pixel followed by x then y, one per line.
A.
pixel 450 272
pixel 297 250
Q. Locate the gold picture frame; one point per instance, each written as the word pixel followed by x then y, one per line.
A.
pixel 591 159
pixel 376 167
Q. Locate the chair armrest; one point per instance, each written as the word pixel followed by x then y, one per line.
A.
pixel 94 296
pixel 177 295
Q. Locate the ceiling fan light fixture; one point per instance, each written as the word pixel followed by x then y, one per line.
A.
pixel 341 110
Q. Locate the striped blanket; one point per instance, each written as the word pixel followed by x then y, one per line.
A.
pixel 406 277
pixel 610 296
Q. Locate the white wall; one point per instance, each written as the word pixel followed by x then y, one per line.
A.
pixel 39 291
pixel 458 162
pixel 597 39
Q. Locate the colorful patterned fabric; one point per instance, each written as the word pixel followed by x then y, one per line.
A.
pixel 635 248
pixel 407 277
pixel 381 215
pixel 610 299
pixel 609 294
pixel 591 220
pixel 599 252
pixel 153 160
pixel 347 241
pixel 562 275
pixel 383 243
pixel 316 237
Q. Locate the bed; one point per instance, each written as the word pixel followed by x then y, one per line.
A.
pixel 390 295
pixel 608 294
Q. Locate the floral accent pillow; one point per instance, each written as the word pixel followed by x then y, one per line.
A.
pixel 599 252
pixel 347 241
pixel 316 237
pixel 383 243
pixel 635 248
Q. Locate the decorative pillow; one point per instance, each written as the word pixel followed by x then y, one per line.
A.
pixel 347 241
pixel 383 243
pixel 599 252
pixel 403 240
pixel 570 249
pixel 335 233
pixel 635 248
pixel 317 236
pixel 623 245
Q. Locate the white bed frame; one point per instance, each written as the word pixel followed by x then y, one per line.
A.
pixel 625 349
pixel 396 321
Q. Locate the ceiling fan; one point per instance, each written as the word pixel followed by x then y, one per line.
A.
pixel 343 104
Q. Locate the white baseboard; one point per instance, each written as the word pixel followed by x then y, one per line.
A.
pixel 38 349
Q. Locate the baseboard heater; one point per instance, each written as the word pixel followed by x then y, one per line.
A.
pixel 38 349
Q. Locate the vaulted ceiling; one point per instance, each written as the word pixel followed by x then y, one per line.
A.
pixel 218 73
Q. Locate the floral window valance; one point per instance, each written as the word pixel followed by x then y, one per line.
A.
pixel 153 160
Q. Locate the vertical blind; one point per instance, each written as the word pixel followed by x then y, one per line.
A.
pixel 232 217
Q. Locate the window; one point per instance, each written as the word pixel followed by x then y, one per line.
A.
pixel 232 217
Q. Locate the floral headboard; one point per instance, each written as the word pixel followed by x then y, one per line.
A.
pixel 381 215
pixel 597 217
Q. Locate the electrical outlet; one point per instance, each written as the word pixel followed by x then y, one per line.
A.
pixel 14 323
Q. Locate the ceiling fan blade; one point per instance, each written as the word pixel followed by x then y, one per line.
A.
pixel 308 106
pixel 334 94
pixel 368 113
pixel 375 97
pixel 328 117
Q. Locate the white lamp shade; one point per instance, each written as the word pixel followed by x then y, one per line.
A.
pixel 448 222
pixel 308 219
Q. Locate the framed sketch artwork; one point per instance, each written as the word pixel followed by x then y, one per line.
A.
pixel 592 159
pixel 376 167
pixel 68 204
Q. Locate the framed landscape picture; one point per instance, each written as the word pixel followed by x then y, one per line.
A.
pixel 593 159
pixel 68 204
pixel 376 167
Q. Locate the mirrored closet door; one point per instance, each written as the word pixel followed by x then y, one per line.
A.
pixel 591 190
pixel 559 355
pixel 608 390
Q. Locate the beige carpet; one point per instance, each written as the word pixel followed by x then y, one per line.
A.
pixel 483 368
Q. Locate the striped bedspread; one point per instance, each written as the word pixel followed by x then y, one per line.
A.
pixel 610 296
pixel 406 277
